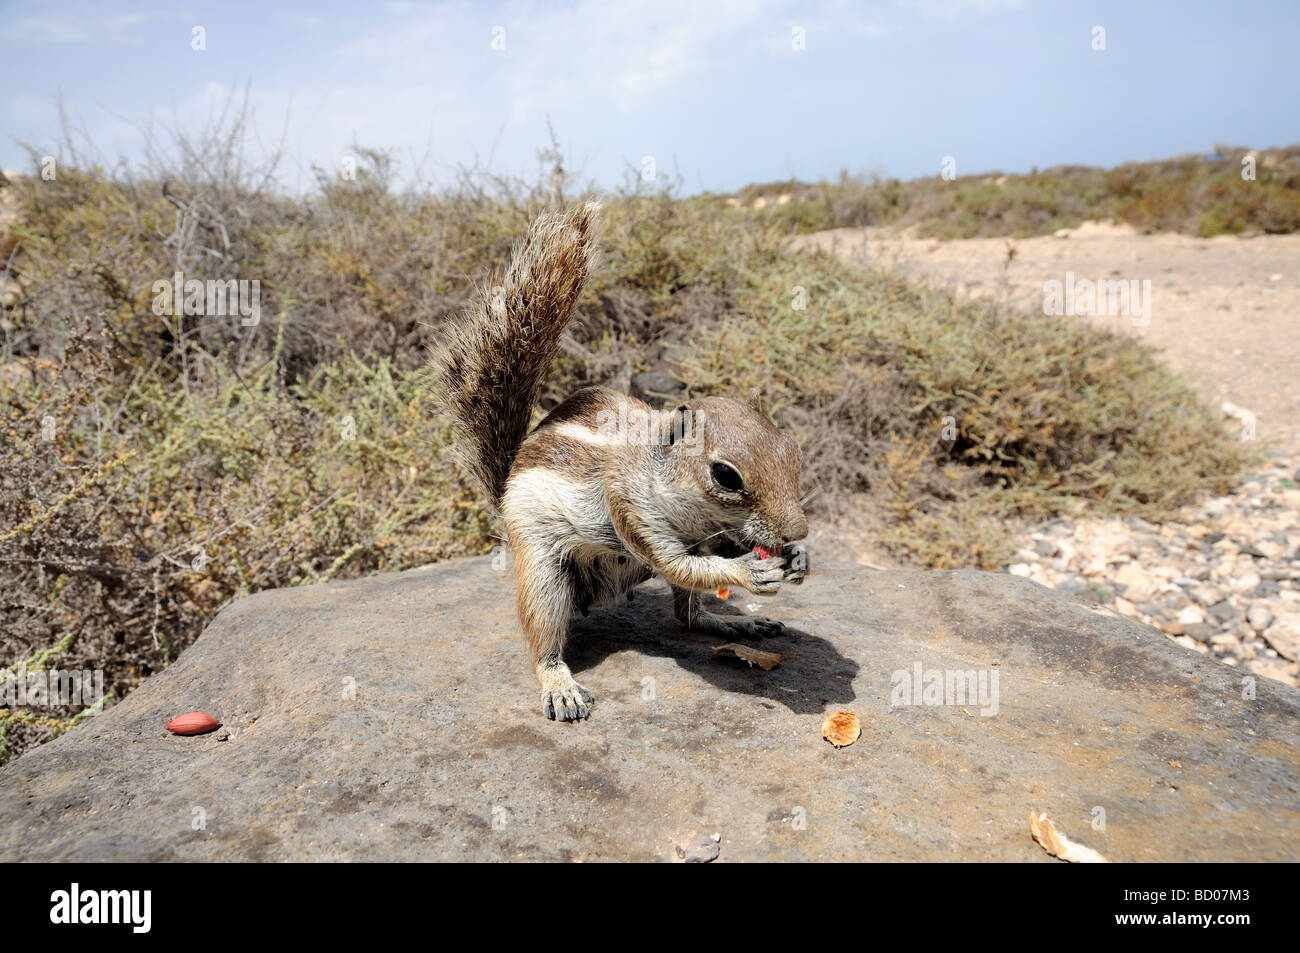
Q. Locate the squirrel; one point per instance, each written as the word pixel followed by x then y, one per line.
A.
pixel 606 492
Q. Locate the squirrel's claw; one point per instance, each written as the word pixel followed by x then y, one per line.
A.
pixel 569 703
pixel 796 557
pixel 765 575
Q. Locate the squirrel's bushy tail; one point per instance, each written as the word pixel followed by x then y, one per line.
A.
pixel 493 364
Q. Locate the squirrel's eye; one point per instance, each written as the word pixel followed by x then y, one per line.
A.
pixel 727 477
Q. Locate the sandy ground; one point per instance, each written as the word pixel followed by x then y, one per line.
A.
pixel 1225 312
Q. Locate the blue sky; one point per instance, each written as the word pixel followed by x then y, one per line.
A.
pixel 716 90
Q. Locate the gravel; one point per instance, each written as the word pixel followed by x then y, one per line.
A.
pixel 1223 579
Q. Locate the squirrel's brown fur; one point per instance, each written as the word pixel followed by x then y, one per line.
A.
pixel 605 491
pixel 495 361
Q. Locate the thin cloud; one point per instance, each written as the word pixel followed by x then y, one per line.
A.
pixel 82 27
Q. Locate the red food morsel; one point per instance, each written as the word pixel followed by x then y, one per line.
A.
pixel 193 723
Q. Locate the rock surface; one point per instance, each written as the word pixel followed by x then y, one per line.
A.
pixel 395 717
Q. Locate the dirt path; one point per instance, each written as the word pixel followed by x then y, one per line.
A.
pixel 1224 311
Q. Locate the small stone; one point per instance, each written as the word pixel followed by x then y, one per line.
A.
pixel 1284 635
pixel 701 851
pixel 1271 668
pixel 1046 547
pixel 1126 547
pixel 1190 615
pixel 1259 616
pixel 1225 642
pixel 657 384
pixel 1148 542
pixel 1200 631
pixel 1206 594
pixel 1250 549
pixel 1138 584
pixel 1124 607
pixel 1221 612
pixel 1247 580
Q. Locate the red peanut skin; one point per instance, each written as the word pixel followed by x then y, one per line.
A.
pixel 193 723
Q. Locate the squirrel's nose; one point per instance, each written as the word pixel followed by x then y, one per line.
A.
pixel 794 528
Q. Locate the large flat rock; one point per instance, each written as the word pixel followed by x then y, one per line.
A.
pixel 440 752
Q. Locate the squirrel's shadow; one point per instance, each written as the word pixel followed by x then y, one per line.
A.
pixel 812 673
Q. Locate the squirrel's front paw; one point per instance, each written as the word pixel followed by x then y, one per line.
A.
pixel 563 699
pixel 762 575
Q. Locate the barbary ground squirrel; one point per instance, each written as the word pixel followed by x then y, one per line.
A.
pixel 605 492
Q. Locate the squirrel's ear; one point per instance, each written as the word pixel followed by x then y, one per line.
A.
pixel 676 424
pixel 755 399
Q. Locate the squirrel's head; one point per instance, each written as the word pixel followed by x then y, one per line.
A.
pixel 739 471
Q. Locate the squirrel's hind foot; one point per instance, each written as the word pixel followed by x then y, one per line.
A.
pixel 689 613
pixel 752 626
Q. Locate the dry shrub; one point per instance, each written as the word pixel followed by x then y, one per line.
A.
pixel 1197 195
